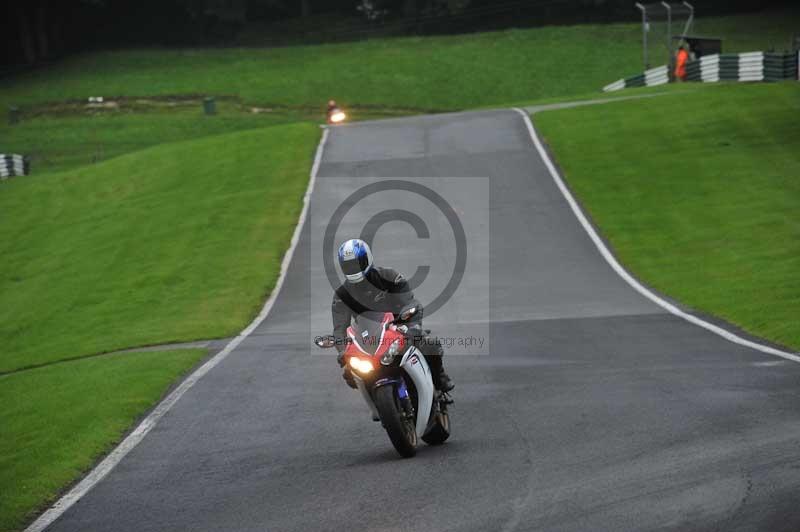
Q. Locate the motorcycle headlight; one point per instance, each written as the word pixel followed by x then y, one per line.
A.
pixel 392 352
pixel 360 365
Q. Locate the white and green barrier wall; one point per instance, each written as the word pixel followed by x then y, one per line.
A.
pixel 12 164
pixel 751 66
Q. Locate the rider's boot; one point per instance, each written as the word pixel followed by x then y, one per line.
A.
pixel 432 349
pixel 441 380
pixel 445 382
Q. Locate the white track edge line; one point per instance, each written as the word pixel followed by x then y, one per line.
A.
pixel 133 439
pixel 612 261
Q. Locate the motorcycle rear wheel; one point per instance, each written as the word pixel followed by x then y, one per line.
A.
pixel 399 427
pixel 440 430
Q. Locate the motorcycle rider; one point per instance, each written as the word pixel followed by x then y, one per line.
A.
pixel 373 288
pixel 333 107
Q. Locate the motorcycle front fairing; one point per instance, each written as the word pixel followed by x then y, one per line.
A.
pixel 369 339
pixel 415 366
pixel 369 330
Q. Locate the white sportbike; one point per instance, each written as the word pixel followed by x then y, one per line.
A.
pixel 394 379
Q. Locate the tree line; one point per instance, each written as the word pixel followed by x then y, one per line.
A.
pixel 42 30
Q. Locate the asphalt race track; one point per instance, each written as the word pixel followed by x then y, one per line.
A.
pixel 594 409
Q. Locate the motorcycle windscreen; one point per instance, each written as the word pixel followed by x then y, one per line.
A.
pixel 369 330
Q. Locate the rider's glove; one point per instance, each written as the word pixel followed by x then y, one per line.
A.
pixel 348 378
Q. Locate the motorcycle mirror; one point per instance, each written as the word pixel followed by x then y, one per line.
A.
pixel 325 341
pixel 407 313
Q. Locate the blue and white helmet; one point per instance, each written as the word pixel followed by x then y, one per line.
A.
pixel 355 259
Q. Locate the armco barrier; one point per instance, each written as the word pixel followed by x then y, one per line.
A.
pixel 750 66
pixel 12 164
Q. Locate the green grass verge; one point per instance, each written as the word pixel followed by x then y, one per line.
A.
pixel 698 195
pixel 56 421
pixel 171 243
pixel 63 138
pixel 616 95
pixel 434 73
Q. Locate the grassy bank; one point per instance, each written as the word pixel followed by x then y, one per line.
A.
pixel 698 196
pixel 64 138
pixel 56 421
pixel 171 243
pixel 435 73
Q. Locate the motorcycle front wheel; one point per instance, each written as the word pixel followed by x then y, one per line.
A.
pixel 399 427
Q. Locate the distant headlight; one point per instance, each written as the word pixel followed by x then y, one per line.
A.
pixel 338 116
pixel 392 352
pixel 361 365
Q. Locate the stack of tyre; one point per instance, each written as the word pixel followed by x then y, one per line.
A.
pixel 13 165
pixel 750 66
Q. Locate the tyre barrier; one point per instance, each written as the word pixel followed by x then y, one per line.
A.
pixel 750 66
pixel 13 165
pixel 649 78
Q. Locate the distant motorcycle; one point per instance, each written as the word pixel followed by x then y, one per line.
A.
pixel 395 381
pixel 336 115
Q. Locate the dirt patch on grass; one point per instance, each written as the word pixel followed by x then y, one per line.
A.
pixel 95 105
pixel 138 104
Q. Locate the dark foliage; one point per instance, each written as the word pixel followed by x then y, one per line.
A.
pixel 37 31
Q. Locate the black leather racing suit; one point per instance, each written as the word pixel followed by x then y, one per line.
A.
pixel 383 290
